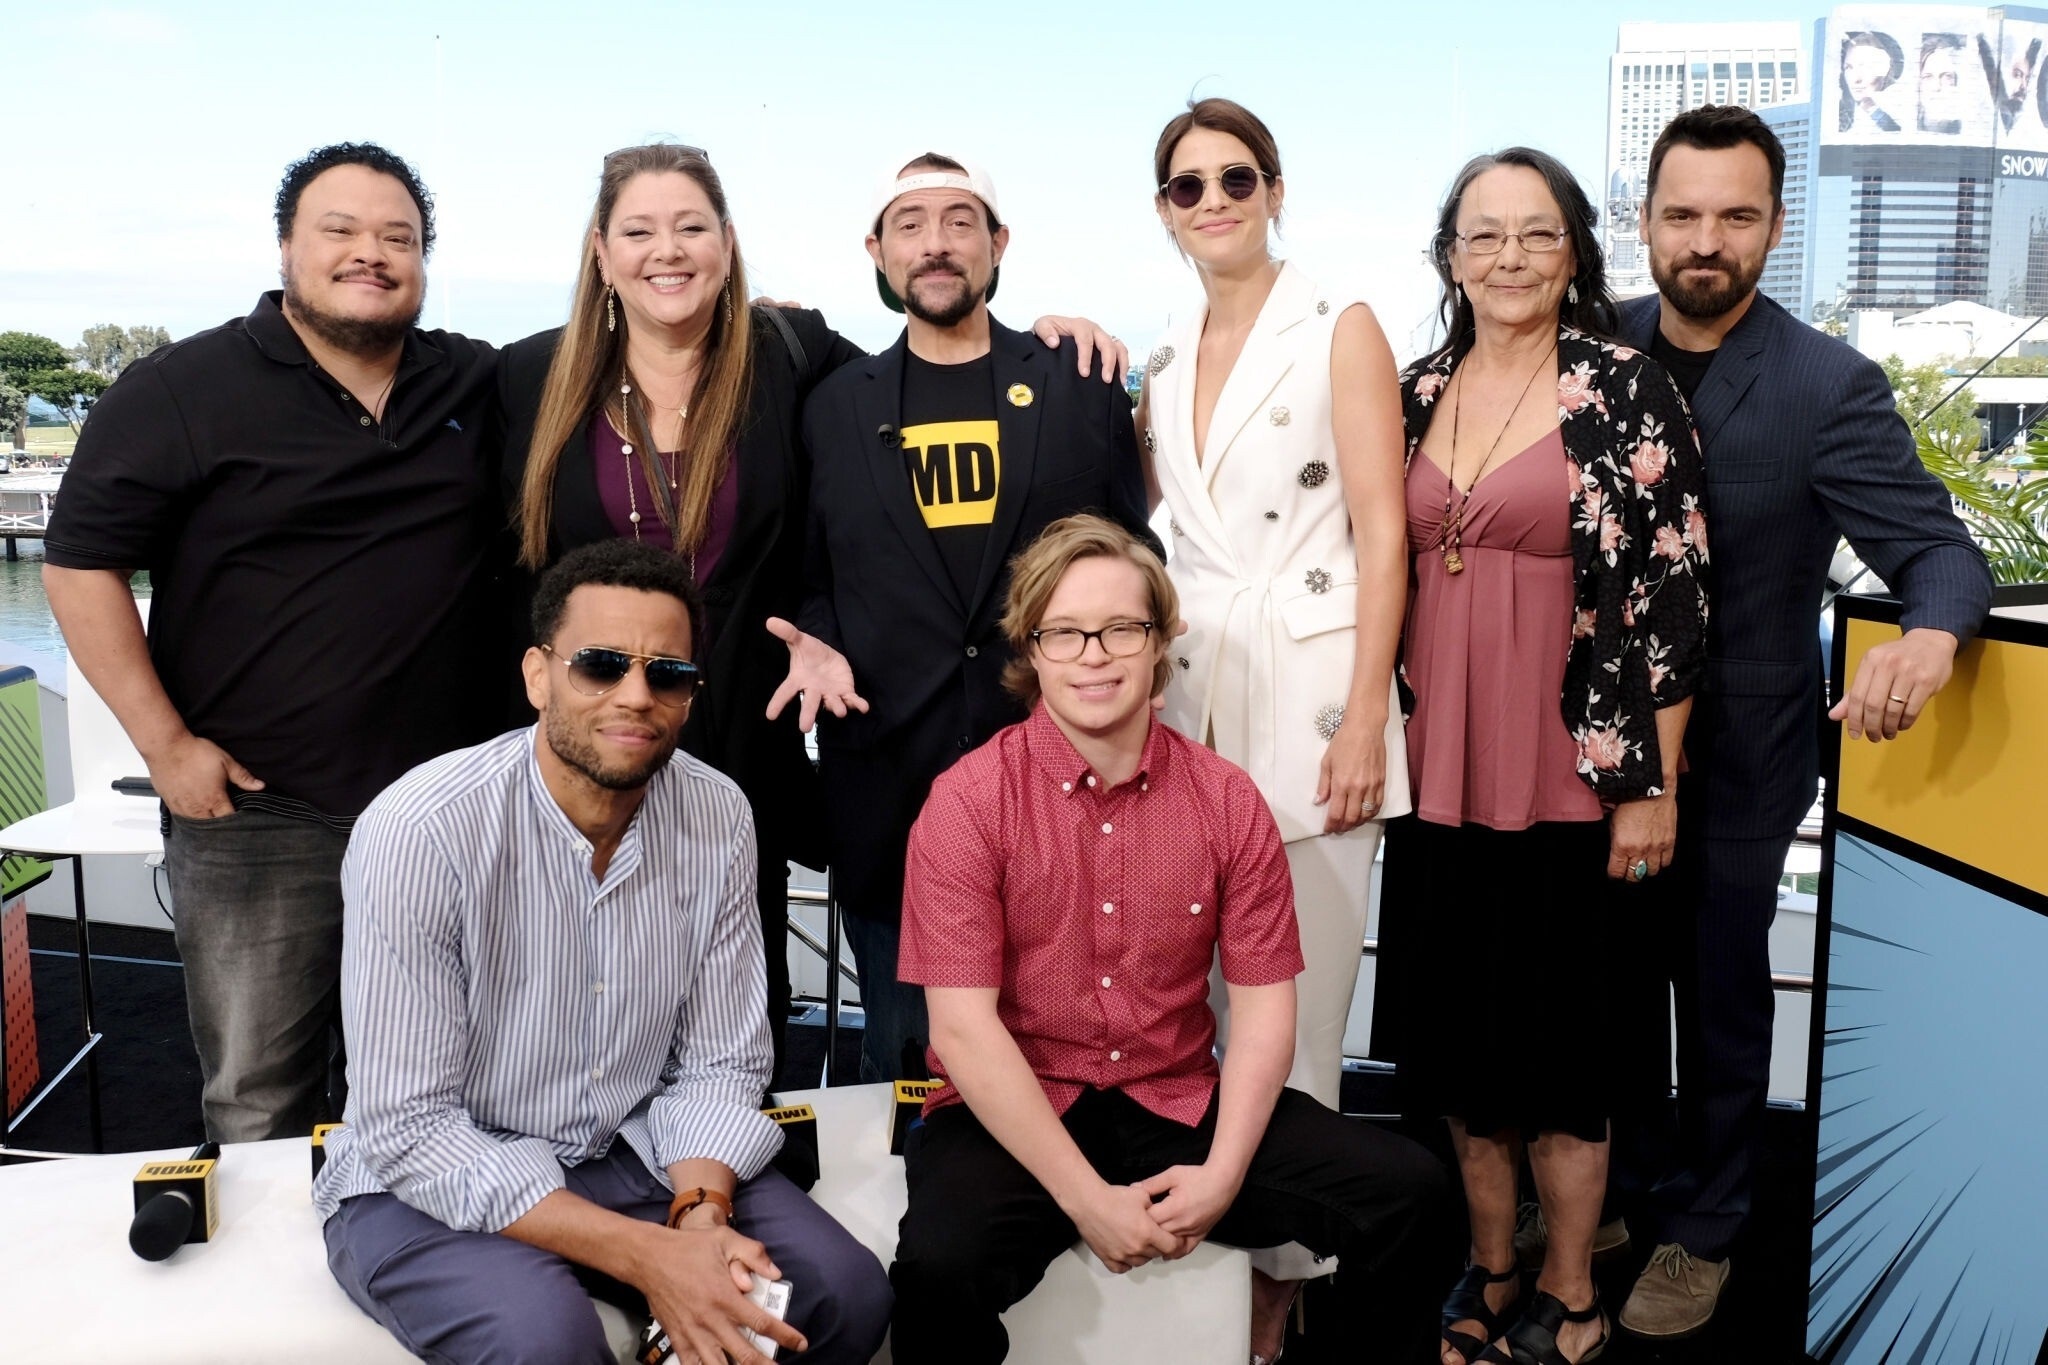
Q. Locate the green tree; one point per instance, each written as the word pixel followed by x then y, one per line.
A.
pixel 70 391
pixel 108 348
pixel 2002 499
pixel 13 412
pixel 21 352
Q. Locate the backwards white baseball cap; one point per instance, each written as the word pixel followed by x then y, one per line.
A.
pixel 897 183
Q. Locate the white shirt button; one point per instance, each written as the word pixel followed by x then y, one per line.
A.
pixel 1144 786
pixel 1105 983
pixel 1116 1056
pixel 1091 779
pixel 1195 909
pixel 1106 827
pixel 597 1073
pixel 597 986
pixel 1066 786
pixel 1109 907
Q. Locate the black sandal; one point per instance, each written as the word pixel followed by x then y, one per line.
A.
pixel 1533 1339
pixel 1467 1303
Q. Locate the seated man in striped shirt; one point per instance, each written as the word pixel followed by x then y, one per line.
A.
pixel 552 982
pixel 1068 885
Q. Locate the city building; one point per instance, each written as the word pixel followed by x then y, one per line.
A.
pixel 1658 70
pixel 1921 176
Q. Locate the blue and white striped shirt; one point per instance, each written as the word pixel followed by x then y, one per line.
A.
pixel 508 1014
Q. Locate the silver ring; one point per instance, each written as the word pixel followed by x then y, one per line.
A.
pixel 1641 871
pixel 1369 806
pixel 1900 700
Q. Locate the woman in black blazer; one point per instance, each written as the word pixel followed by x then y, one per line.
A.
pixel 669 409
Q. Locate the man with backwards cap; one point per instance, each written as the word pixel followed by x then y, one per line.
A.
pixel 932 464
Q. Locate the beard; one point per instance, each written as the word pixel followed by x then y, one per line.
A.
pixel 367 337
pixel 575 750
pixel 1704 301
pixel 948 314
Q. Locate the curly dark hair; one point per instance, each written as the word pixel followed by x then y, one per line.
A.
pixel 302 173
pixel 615 564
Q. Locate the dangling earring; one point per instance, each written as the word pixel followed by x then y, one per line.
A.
pixel 611 317
pixel 728 303
pixel 1571 292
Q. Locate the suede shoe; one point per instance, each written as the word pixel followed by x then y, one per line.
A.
pixel 1675 1296
pixel 1532 1238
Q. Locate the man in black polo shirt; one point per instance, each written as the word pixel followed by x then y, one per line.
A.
pixel 309 488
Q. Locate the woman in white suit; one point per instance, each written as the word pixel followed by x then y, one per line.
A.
pixel 1272 428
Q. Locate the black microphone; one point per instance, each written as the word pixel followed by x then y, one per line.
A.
pixel 888 435
pixel 175 1204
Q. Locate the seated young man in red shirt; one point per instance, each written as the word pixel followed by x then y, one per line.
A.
pixel 1069 884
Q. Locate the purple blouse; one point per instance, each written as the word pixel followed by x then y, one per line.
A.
pixel 613 468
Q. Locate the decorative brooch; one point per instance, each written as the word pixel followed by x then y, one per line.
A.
pixel 1161 358
pixel 1174 526
pixel 1322 306
pixel 1313 474
pixel 1272 516
pixel 1183 662
pixel 1329 719
pixel 1151 441
pixel 1279 417
pixel 1318 580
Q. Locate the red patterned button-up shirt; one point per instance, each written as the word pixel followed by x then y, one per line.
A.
pixel 1095 911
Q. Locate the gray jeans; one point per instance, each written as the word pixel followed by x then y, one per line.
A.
pixel 258 904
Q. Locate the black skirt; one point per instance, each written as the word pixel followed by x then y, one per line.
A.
pixel 1515 988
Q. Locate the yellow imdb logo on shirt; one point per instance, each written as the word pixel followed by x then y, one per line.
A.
pixel 954 470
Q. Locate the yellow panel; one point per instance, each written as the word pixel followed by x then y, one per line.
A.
pixel 1965 780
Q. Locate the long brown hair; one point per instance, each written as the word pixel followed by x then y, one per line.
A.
pixel 590 360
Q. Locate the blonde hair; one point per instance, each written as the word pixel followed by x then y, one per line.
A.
pixel 1035 575
pixel 590 360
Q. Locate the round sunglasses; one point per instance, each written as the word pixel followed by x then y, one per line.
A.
pixel 595 670
pixel 1184 191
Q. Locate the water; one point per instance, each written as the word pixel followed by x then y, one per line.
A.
pixel 24 611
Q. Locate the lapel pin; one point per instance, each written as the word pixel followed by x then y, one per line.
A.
pixel 1313 474
pixel 1322 307
pixel 1280 417
pixel 1161 358
pixel 1020 395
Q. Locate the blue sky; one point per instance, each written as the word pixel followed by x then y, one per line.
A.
pixel 147 140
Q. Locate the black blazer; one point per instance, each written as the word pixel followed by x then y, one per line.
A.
pixel 759 574
pixel 1803 446
pixel 928 663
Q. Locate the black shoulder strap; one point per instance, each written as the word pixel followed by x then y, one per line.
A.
pixel 789 339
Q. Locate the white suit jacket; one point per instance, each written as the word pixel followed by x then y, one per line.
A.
pixel 1261 550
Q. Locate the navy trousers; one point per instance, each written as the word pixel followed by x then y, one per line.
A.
pixel 1721 896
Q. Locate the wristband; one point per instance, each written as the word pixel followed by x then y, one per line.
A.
pixel 686 1200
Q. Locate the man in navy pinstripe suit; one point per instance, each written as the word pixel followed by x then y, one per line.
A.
pixel 1803 446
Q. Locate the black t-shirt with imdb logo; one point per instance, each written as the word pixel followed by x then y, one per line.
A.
pixel 952 452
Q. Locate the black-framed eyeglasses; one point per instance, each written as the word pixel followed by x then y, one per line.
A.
pixel 595 670
pixel 1490 241
pixel 1119 640
pixel 1240 182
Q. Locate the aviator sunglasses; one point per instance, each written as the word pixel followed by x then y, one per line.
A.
pixel 595 670
pixel 1184 191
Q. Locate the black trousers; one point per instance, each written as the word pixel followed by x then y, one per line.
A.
pixel 980 1230
pixel 1700 1177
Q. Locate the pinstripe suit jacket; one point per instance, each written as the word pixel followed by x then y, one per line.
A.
pixel 1803 446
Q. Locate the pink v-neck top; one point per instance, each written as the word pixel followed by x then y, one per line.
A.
pixel 1484 650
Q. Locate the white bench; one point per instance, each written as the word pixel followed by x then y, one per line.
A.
pixel 71 1291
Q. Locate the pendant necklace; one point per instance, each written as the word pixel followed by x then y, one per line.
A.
pixel 1453 528
pixel 669 467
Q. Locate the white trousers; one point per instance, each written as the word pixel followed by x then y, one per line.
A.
pixel 1332 886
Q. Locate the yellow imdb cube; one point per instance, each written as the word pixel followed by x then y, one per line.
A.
pixel 194 1180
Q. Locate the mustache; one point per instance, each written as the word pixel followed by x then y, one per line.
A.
pixel 379 276
pixel 938 268
pixel 1704 263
